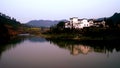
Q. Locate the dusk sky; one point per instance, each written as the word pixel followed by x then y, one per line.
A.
pixel 26 10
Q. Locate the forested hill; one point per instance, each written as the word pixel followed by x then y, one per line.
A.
pixel 114 20
pixel 8 26
pixel 43 23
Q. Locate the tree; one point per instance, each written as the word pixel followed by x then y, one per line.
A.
pixel 61 25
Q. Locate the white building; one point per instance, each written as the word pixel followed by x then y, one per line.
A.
pixel 84 23
pixel 78 23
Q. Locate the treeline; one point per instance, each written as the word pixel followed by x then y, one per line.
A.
pixel 4 19
pixel 8 27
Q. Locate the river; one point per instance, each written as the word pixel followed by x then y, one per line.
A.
pixel 37 52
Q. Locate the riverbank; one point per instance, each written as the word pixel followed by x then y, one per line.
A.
pixel 86 34
pixel 79 37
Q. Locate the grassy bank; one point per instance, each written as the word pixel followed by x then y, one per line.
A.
pixel 87 34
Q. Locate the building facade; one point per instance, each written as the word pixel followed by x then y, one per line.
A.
pixel 78 23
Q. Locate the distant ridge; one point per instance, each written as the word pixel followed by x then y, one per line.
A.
pixel 43 23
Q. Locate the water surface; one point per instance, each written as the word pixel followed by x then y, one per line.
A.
pixel 37 52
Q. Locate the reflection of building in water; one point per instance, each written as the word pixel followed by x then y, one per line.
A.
pixel 77 49
pixel 82 49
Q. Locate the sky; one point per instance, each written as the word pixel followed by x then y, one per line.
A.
pixel 26 10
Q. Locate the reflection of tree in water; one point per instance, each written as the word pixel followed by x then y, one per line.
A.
pixel 37 39
pixel 84 47
pixel 10 44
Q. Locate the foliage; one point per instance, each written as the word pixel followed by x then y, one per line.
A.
pixel 9 21
pixel 61 25
pixel 8 26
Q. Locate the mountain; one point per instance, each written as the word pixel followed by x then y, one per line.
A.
pixel 114 20
pixel 43 23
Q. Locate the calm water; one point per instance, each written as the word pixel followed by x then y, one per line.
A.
pixel 37 52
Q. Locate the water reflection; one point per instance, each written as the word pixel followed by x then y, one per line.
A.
pixel 37 52
pixel 85 47
pixel 37 39
pixel 75 47
pixel 10 43
pixel 80 49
